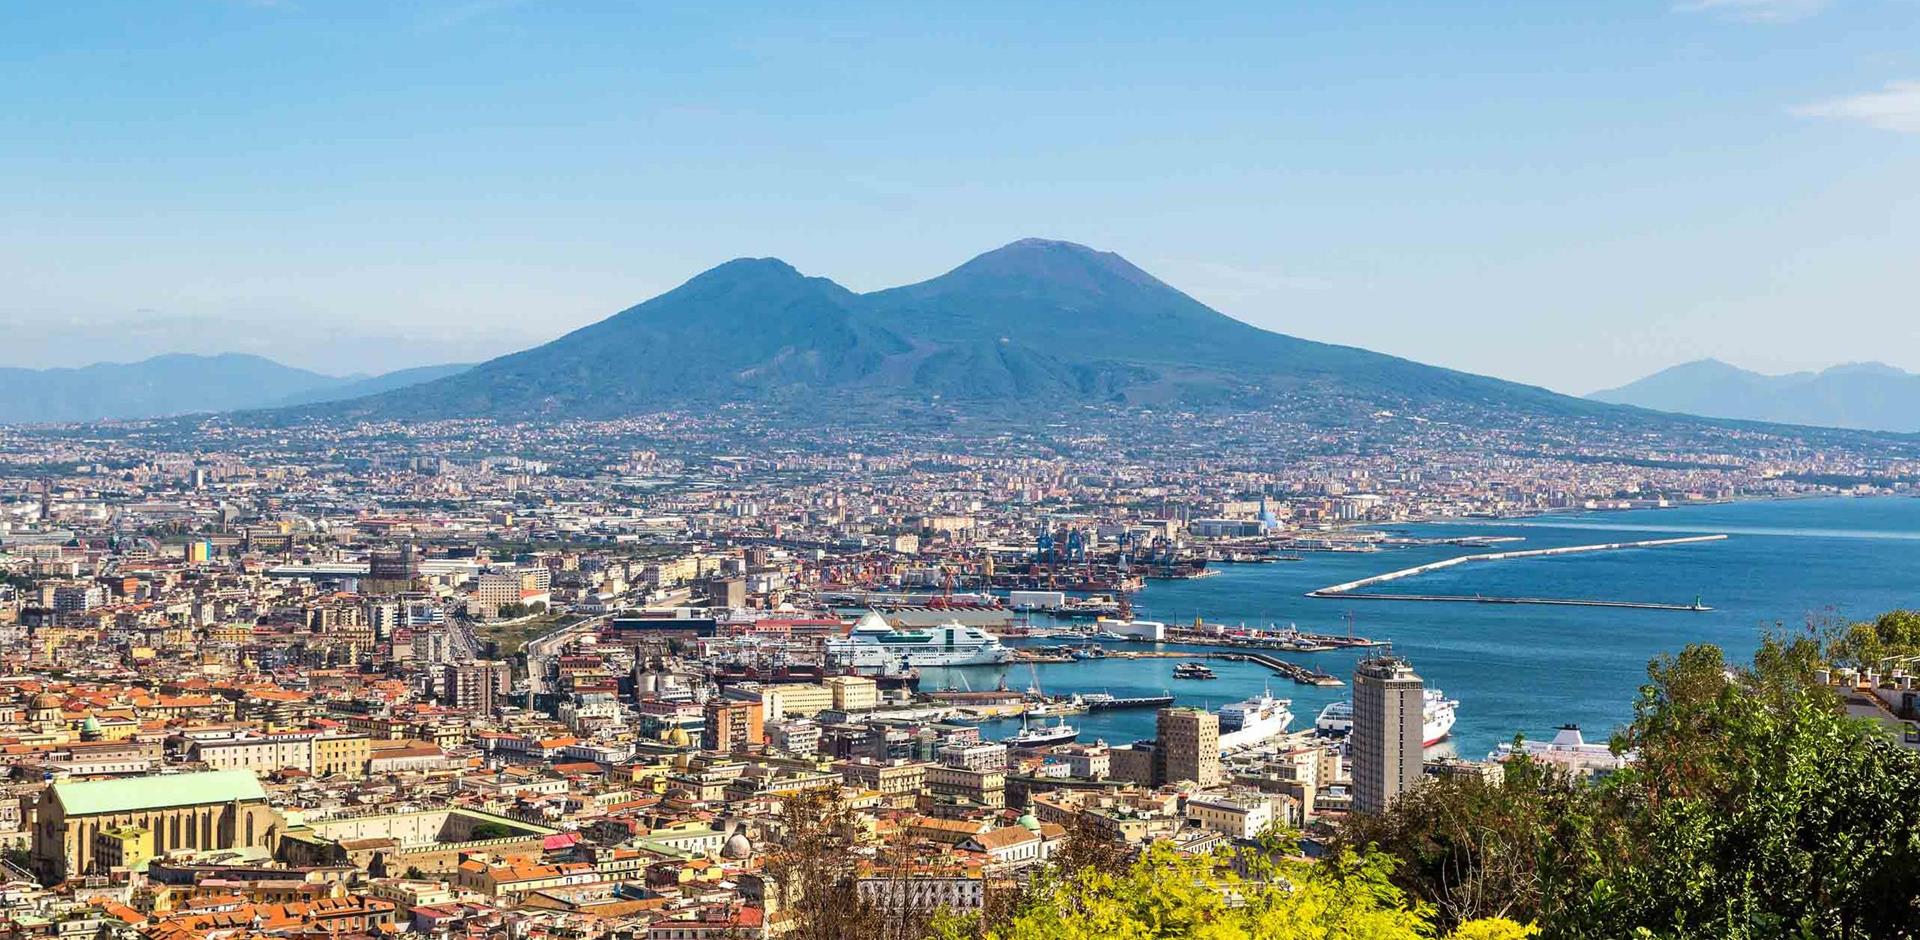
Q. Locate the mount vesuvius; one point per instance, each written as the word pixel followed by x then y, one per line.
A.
pixel 1035 324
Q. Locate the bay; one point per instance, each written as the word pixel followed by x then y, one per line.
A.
pixel 1522 668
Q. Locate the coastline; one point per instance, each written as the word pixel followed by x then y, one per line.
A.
pixel 1578 512
pixel 1533 668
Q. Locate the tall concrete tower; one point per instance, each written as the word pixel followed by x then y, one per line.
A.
pixel 1387 731
pixel 1187 747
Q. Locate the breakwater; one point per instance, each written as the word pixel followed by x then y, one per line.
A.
pixel 1353 590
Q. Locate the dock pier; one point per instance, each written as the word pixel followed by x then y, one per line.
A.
pixel 1298 673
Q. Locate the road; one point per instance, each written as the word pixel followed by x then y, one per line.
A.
pixel 543 650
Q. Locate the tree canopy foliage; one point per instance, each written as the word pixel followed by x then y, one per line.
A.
pixel 1894 634
pixel 1097 887
pixel 1757 808
pixel 1265 893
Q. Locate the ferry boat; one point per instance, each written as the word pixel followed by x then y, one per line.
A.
pixel 1254 721
pixel 1043 735
pixel 1568 750
pixel 1193 671
pixel 1438 713
pixel 875 644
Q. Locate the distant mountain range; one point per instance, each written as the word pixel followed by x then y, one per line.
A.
pixel 1033 326
pixel 1863 396
pixel 183 384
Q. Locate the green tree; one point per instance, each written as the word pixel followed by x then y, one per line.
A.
pixel 1265 893
pixel 1895 633
pixel 1761 809
pixel 1520 847
pixel 1756 808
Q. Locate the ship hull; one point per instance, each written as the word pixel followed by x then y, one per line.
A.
pixel 875 645
pixel 865 656
pixel 1042 739
pixel 1253 722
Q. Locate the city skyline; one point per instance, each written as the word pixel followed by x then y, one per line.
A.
pixel 515 469
pixel 1469 188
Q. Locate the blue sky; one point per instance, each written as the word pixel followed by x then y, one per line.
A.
pixel 1571 194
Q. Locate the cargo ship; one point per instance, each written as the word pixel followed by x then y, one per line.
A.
pixel 1105 701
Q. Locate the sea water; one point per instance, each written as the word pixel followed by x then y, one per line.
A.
pixel 1522 669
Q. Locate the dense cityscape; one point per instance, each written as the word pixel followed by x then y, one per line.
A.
pixel 576 680
pixel 513 470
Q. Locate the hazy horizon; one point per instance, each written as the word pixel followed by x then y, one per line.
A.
pixel 340 350
pixel 1568 198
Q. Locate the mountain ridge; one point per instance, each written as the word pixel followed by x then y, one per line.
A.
pixel 1868 396
pixel 1034 324
pixel 181 383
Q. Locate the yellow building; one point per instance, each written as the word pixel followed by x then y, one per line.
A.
pixel 345 755
pixel 230 633
pixel 122 847
pixel 898 785
pixel 797 700
pixel 48 641
pixel 854 693
pixel 109 727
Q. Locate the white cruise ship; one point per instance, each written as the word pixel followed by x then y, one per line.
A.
pixel 874 644
pixel 1254 721
pixel 1438 715
pixel 1568 750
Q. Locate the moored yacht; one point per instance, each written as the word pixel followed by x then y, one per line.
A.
pixel 1193 671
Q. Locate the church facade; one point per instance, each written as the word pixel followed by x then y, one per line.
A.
pixel 77 825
